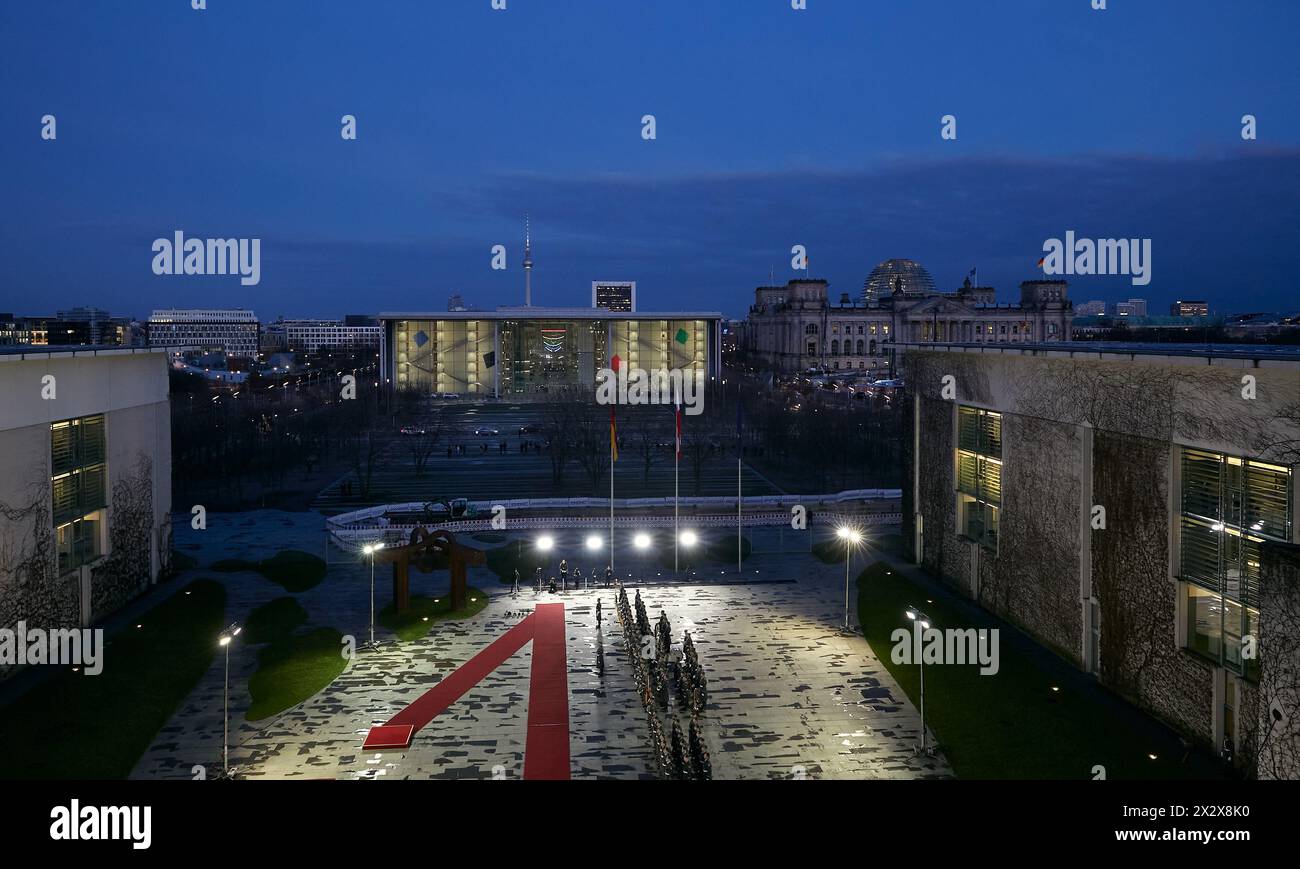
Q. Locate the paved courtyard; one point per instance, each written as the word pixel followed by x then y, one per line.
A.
pixel 790 693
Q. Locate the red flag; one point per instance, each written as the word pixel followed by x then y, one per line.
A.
pixel 613 436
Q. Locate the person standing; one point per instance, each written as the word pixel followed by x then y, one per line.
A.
pixel 515 592
pixel 564 573
pixel 538 586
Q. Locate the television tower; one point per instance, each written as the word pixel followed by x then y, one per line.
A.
pixel 528 262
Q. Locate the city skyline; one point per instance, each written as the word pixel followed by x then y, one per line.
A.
pixel 454 146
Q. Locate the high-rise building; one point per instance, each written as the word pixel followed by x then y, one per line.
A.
pixel 617 296
pixel 235 332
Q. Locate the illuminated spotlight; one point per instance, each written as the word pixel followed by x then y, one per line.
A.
pixel 546 543
pixel 594 542
pixel 641 541
pixel 689 538
pixel 852 535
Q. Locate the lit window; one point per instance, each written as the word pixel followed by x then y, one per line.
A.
pixel 1230 506
pixel 979 474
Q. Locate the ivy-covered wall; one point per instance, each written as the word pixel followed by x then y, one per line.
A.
pixel 1140 658
pixel 1275 729
pixel 1135 412
pixel 126 572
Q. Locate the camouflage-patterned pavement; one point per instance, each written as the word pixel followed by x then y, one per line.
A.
pixel 791 694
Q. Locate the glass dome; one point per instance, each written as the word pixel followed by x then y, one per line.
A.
pixel 911 277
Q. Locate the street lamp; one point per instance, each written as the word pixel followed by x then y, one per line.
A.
pixel 594 542
pixel 851 537
pixel 224 641
pixel 370 549
pixel 642 542
pixel 689 539
pixel 545 543
pixel 923 621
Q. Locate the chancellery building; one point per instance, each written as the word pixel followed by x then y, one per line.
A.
pixel 517 352
pixel 794 328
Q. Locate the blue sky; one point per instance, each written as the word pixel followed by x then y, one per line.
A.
pixel 775 128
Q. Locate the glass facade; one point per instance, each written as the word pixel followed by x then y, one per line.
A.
pixel 79 487
pixel 1230 506
pixel 538 355
pixel 979 474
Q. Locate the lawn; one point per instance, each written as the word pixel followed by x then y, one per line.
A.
pixel 292 669
pixel 1012 724
pixel 294 570
pixel 274 621
pixel 97 727
pixel 425 612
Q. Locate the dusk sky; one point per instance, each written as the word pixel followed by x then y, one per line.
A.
pixel 775 128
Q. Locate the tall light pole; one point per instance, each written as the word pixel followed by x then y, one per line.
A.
pixel 851 537
pixel 370 549
pixel 224 641
pixel 688 539
pixel 642 543
pixel 923 621
pixel 593 545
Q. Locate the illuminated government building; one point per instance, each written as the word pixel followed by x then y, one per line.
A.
pixel 528 350
pixel 793 328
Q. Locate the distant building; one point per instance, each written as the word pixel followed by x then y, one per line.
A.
pixel 456 303
pixel 85 483
pixel 534 350
pixel 310 336
pixel 76 327
pixel 1094 308
pixel 1189 309
pixel 619 296
pixel 236 332
pixel 1131 308
pixel 104 329
pixel 794 328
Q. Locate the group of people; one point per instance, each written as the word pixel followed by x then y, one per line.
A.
pixel 653 668
pixel 579 581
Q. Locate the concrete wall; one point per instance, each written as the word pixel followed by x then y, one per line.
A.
pixel 1102 430
pixel 131 391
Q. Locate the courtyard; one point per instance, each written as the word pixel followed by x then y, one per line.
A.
pixel 791 694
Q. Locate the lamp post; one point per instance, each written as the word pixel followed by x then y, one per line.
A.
pixel 370 549
pixel 642 542
pixel 851 537
pixel 545 543
pixel 923 621
pixel 224 641
pixel 593 545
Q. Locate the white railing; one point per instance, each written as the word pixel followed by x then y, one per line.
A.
pixel 351 530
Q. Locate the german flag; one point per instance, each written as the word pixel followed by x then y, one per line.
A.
pixel 613 436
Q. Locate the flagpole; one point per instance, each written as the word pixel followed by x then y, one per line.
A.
pixel 677 456
pixel 740 497
pixel 612 434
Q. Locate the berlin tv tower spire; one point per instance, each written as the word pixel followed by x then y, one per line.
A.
pixel 528 262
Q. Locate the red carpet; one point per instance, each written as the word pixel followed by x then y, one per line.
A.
pixel 547 752
pixel 434 701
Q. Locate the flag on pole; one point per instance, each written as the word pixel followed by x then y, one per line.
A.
pixel 613 436
pixel 678 421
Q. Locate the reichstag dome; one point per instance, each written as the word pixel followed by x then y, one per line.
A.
pixel 910 276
